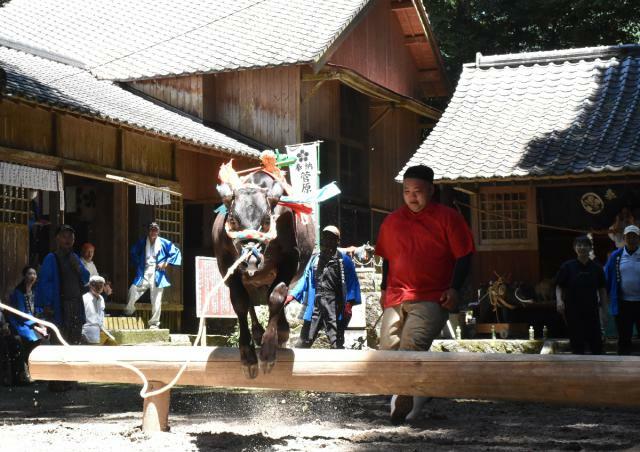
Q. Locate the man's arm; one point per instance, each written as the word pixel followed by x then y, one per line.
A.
pixel 559 300
pixel 604 298
pixel 450 297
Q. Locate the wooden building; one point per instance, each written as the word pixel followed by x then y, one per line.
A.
pixel 86 132
pixel 354 74
pixel 536 149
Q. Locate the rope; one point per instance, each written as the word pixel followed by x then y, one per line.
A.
pixel 540 225
pixel 145 382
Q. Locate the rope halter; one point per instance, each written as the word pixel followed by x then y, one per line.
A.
pixel 252 234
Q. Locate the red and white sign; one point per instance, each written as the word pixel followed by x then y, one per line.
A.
pixel 210 303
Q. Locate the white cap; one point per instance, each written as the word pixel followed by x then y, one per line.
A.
pixel 96 279
pixel 333 230
pixel 632 229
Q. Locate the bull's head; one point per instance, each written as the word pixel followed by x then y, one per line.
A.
pixel 250 222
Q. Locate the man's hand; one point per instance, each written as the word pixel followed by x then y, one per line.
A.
pixel 348 308
pixel 163 265
pixel 383 297
pixel 47 312
pixel 289 299
pixel 40 329
pixel 450 299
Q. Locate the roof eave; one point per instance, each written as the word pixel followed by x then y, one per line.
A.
pixel 360 83
pixel 428 31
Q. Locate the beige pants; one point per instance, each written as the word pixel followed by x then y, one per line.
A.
pixel 412 325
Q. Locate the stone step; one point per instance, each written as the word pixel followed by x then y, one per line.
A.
pixel 141 336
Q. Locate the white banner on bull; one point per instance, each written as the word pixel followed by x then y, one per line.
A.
pixel 304 173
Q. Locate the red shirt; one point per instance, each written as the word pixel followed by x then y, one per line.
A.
pixel 422 249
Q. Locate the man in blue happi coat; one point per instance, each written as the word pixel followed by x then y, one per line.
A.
pixel 329 288
pixel 151 256
pixel 60 287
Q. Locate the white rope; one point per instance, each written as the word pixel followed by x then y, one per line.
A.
pixel 145 382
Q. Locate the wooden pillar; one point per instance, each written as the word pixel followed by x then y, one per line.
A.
pixel 120 242
pixel 155 410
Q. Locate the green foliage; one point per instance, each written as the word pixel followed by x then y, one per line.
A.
pixel 464 27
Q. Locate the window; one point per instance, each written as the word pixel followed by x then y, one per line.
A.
pixel 505 218
pixel 14 205
pixel 169 218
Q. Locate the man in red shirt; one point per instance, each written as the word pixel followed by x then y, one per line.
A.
pixel 427 250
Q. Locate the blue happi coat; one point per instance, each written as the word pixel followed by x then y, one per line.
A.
pixel 48 287
pixel 305 290
pixel 168 253
pixel 22 326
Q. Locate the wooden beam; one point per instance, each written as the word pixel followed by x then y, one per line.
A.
pixel 369 88
pixel 380 117
pixel 313 91
pixel 77 167
pixel 429 75
pixel 569 379
pixel 418 39
pixel 402 5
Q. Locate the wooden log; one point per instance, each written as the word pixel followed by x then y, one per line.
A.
pixel 585 380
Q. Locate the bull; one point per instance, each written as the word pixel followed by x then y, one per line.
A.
pixel 277 245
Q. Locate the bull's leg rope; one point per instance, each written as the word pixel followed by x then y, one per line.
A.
pixel 145 382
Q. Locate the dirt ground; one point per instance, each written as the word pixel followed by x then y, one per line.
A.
pixel 107 418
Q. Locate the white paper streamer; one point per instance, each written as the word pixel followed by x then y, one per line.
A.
pixel 152 196
pixel 33 178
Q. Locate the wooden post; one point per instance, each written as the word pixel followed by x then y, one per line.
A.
pixel 155 410
pixel 120 242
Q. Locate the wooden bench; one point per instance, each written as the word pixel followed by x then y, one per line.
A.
pixel 123 323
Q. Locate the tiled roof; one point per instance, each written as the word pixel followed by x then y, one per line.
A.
pixel 540 114
pixel 131 39
pixel 67 87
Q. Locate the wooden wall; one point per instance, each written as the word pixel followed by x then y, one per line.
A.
pixel 522 265
pixel 262 104
pixel 320 111
pixel 14 255
pixel 26 127
pixel 392 142
pixel 376 49
pixel 198 175
pixel 183 93
pixel 87 141
pixel 148 155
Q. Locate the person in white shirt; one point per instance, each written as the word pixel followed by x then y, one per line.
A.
pixel 623 284
pixel 87 251
pixel 86 256
pixel 94 311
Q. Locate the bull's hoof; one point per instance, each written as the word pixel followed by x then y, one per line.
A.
pixel 250 371
pixel 249 361
pixel 266 366
pixel 278 295
pixel 268 350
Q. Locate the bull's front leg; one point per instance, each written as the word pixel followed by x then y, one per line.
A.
pixel 270 339
pixel 241 303
pixel 256 329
